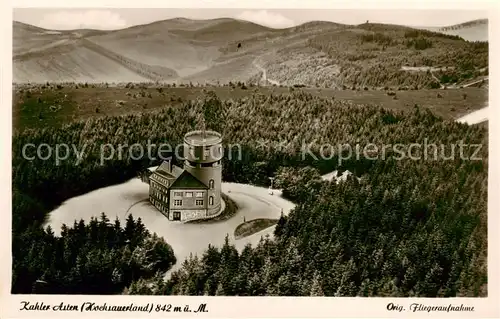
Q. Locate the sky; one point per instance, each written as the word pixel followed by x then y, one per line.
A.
pixel 115 18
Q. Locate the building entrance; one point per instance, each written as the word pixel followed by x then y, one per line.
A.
pixel 176 216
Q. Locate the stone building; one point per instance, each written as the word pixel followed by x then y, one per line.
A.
pixel 192 192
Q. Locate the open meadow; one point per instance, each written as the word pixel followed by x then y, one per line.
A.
pixel 38 106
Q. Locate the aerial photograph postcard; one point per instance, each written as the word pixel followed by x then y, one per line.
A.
pixel 251 153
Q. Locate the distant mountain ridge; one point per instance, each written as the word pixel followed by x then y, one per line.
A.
pixel 475 30
pixel 317 53
pixel 465 25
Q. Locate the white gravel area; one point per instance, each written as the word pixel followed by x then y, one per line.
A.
pixel 185 238
pixel 333 176
pixel 475 117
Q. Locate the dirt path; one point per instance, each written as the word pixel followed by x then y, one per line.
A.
pixel 264 73
pixel 475 82
pixel 433 69
pixel 454 86
pixel 441 86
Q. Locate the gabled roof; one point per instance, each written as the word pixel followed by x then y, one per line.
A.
pixel 177 171
pixel 165 174
pixel 186 180
pixel 178 177
pixel 164 166
pixel 167 171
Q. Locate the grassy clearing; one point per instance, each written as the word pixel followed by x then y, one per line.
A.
pixel 253 226
pixel 39 107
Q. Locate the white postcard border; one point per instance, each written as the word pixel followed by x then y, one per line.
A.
pixel 255 307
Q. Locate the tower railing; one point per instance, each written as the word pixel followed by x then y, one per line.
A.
pixel 205 137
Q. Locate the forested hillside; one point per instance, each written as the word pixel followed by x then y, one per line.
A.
pixel 373 55
pixel 407 227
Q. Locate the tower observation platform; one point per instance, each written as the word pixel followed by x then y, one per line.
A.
pixel 203 153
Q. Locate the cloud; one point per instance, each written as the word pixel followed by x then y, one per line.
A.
pixel 91 19
pixel 266 18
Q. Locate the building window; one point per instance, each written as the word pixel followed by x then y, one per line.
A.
pixel 177 202
pixel 199 194
pixel 211 200
pixel 211 184
pixel 178 194
pixel 176 216
pixel 188 194
pixel 199 202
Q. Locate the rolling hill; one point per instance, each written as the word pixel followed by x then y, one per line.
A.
pixel 318 53
pixel 476 30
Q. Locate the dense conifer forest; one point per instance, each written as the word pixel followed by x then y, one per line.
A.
pixel 97 258
pixel 395 228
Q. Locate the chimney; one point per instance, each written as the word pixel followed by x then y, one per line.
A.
pixel 168 161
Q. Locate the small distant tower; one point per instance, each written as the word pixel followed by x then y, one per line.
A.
pixel 203 154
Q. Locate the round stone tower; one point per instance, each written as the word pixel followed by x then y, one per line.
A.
pixel 203 154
